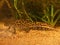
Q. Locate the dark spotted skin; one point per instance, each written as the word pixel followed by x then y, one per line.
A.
pixel 27 26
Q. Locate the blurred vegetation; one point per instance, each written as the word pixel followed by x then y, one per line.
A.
pixel 50 16
pixel 33 10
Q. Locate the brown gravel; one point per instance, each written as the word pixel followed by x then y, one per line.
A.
pixel 34 37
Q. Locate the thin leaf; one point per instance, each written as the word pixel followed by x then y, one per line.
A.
pixel 15 3
pixel 52 14
pixel 56 20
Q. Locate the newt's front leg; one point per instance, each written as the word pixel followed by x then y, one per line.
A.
pixel 12 29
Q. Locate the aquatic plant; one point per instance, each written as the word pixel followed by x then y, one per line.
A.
pixel 50 16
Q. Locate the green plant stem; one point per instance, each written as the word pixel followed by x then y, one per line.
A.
pixel 56 12
pixel 15 5
pixel 56 20
pixel 26 12
pixel 52 15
